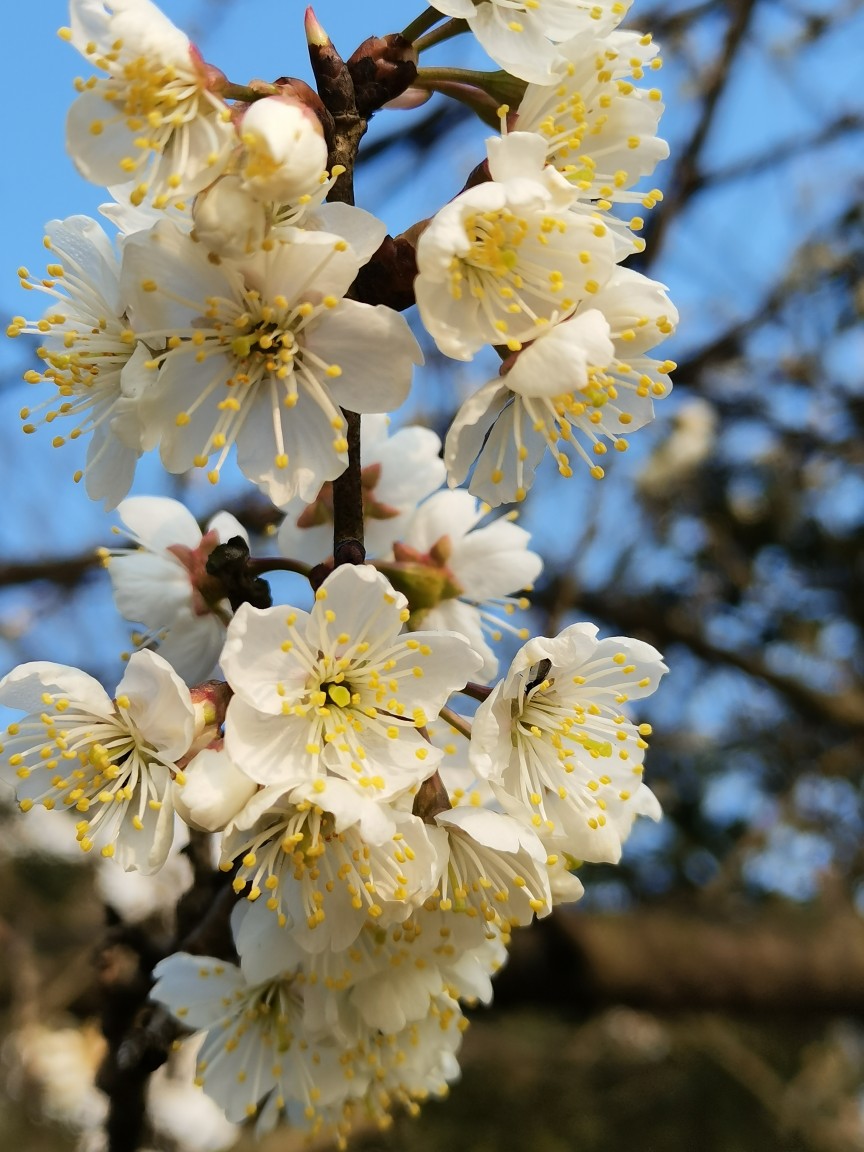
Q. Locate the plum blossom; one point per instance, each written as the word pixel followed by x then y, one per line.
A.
pixel 339 690
pixel 495 867
pixel 600 127
pixel 338 1044
pixel 261 354
pixel 460 576
pixel 326 861
pixel 90 355
pixel 256 1050
pixel 154 122
pixel 555 744
pixel 586 374
pixel 111 760
pixel 506 258
pixel 164 583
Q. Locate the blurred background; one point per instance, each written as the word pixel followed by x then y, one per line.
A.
pixel 709 992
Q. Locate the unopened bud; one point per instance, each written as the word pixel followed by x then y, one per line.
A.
pixel 210 701
pixel 214 790
pixel 382 68
pixel 285 154
pixel 423 586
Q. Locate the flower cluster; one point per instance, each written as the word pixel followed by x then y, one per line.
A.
pixel 380 843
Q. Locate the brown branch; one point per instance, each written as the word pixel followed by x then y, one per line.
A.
pixel 336 89
pixel 773 961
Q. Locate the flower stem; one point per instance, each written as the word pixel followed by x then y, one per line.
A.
pixel 428 77
pixel 422 23
pixel 456 721
pixel 243 92
pixel 479 692
pixel 439 35
pixel 261 564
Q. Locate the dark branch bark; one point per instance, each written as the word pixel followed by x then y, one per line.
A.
pixel 771 961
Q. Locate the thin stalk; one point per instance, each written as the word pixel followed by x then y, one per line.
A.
pixel 456 721
pixel 479 692
pixel 243 92
pixel 426 77
pixel 439 35
pixel 261 564
pixel 422 23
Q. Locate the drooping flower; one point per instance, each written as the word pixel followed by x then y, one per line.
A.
pixel 506 258
pixel 495 867
pixel 261 354
pixel 90 355
pixel 111 760
pixel 398 472
pixel 165 586
pixel 600 127
pixel 521 35
pixel 256 1051
pixel 324 861
pixel 265 1054
pixel 554 741
pixel 154 122
pixel 587 374
pixel 462 577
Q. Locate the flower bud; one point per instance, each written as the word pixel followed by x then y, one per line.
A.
pixel 285 154
pixel 423 583
pixel 381 69
pixel 211 790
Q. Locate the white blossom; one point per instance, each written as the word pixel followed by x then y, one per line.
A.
pixel 261 354
pixel 326 861
pixel 256 1049
pixel 554 742
pixel 600 127
pixel 385 1012
pixel 339 690
pixel 460 576
pixel 109 760
pixel 505 258
pixel 587 374
pixel 153 121
pixel 90 355
pixel 164 583
pixel 495 867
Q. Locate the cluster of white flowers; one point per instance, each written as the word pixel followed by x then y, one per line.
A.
pixel 382 845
